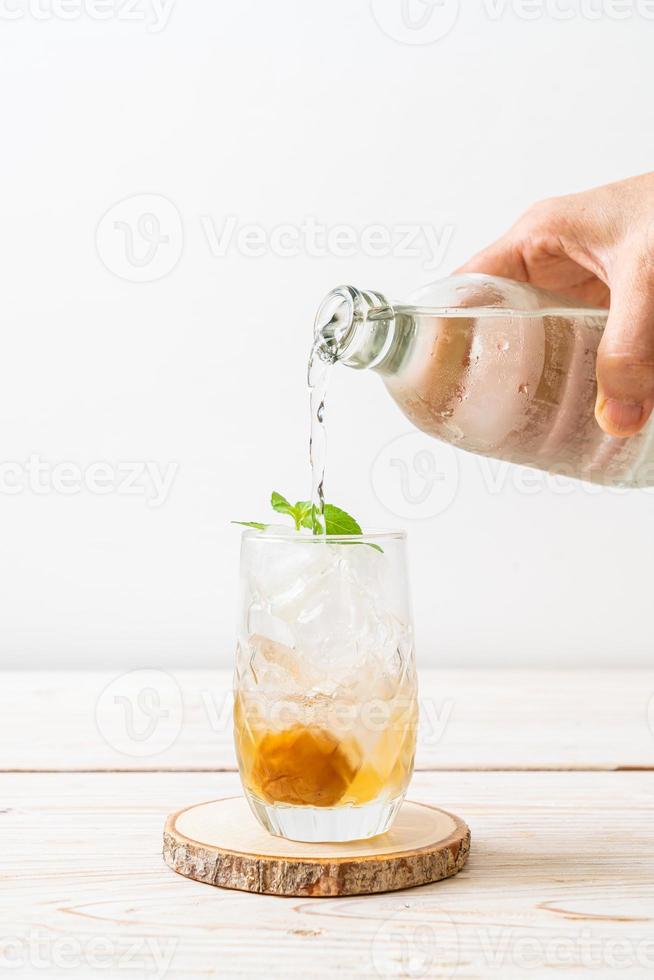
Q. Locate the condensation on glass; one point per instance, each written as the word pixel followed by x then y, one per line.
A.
pixel 325 709
pixel 494 367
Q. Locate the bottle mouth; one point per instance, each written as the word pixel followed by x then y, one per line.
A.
pixel 354 327
pixel 334 325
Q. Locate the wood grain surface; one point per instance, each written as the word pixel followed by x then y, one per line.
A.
pixel 559 883
pixel 485 719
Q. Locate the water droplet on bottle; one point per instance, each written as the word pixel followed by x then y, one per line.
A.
pixel 523 389
pixel 503 345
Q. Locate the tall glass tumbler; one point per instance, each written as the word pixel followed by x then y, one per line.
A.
pixel 326 708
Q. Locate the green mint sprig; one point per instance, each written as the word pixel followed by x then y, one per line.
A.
pixel 301 512
pixel 336 521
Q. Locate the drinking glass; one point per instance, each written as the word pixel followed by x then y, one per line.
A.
pixel 325 709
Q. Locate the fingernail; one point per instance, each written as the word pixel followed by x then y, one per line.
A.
pixel 620 417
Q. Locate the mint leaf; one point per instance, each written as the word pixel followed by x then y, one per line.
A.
pixel 338 521
pixel 280 504
pixel 300 512
pixel 304 509
pixel 335 521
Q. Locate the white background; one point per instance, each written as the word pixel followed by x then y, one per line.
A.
pixel 272 112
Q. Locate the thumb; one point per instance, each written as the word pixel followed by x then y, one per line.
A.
pixel 625 358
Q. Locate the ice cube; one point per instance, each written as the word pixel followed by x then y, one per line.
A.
pixel 331 605
pixel 279 573
pixel 262 623
pixel 273 666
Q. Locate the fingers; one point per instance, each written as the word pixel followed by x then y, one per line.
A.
pixel 502 258
pixel 536 232
pixel 625 359
pixel 576 248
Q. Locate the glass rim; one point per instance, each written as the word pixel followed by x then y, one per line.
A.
pixel 296 537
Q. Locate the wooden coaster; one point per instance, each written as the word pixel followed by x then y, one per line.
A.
pixel 221 843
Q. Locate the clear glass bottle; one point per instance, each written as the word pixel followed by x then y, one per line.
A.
pixel 492 366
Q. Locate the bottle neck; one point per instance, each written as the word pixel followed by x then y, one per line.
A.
pixel 355 327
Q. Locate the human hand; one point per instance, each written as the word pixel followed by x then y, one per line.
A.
pixel 596 247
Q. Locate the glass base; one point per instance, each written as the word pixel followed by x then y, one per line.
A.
pixel 325 824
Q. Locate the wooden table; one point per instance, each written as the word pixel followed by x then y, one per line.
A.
pixel 552 770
